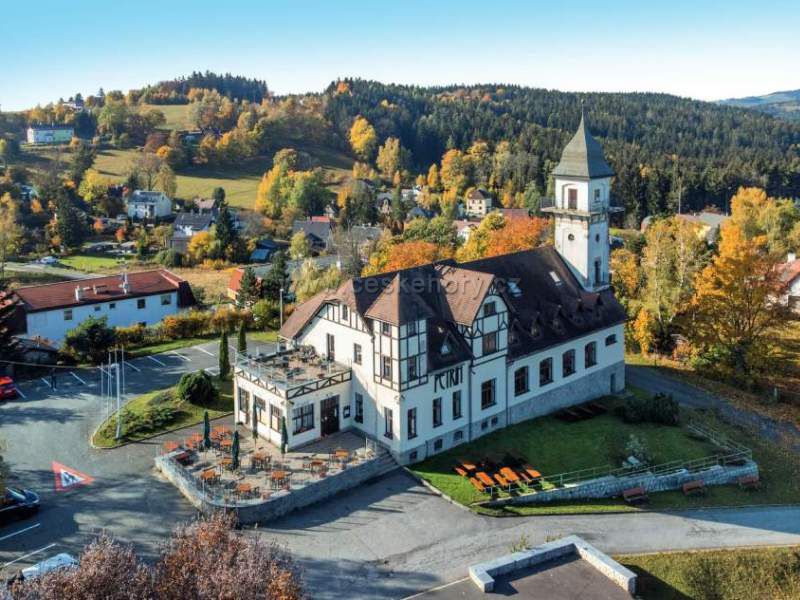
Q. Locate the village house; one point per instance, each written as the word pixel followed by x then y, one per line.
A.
pixel 318 232
pixel 478 203
pixel 48 311
pixel 427 358
pixel 50 134
pixel 790 278
pixel 188 224
pixel 143 204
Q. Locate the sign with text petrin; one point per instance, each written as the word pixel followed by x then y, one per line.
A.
pixel 448 379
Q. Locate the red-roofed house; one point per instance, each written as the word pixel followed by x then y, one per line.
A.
pixel 48 311
pixel 790 276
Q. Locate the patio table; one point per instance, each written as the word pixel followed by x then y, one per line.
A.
pixel 468 465
pixel 260 460
pixel 171 446
pixel 278 478
pixel 509 474
pixel 245 489
pixel 226 445
pixel 226 463
pixel 221 430
pixel 209 475
pixel 484 479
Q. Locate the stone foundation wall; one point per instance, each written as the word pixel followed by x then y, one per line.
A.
pixel 609 487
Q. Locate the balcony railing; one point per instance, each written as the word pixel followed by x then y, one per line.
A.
pixel 550 205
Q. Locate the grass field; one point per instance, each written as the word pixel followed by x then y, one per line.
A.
pixel 253 337
pixel 89 263
pixel 554 446
pixel 17 279
pixel 188 414
pixel 177 115
pixel 718 574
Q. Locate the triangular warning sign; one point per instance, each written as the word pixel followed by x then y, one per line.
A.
pixel 67 478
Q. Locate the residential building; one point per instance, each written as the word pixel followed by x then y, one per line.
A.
pixel 318 231
pixel 424 359
pixel 188 224
pixel 790 277
pixel 48 311
pixel 292 266
pixel 464 229
pixel 50 134
pixel 146 204
pixel 478 203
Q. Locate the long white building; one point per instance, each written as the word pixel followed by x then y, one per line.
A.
pixel 427 358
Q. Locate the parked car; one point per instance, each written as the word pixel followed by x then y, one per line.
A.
pixel 18 503
pixel 7 388
pixel 48 260
pixel 59 561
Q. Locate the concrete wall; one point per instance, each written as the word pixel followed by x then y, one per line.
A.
pixel 609 487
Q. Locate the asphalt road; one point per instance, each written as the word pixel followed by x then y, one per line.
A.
pixel 44 426
pixel 387 539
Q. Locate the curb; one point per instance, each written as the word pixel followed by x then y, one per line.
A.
pixel 149 437
pixel 436 491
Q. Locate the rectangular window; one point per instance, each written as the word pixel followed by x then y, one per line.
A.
pixel 386 367
pixel 457 404
pixel 112 306
pixel 386 329
pixel 412 367
pixel 330 346
pixel 68 314
pixel 166 299
pixel 261 411
pixel 244 401
pixel 489 342
pixel 303 418
pixel 520 381
pixel 97 308
pixel 489 309
pixel 412 423
pixel 345 313
pixel 388 423
pixel 437 445
pixel 437 412
pixel 359 408
pixel 413 456
pixel 357 353
pixel 590 354
pixel 141 303
pixel 411 328
pixel 611 339
pixel 568 363
pixel 546 371
pixel 275 414
pixel 487 394
pixel 572 198
pixel 458 436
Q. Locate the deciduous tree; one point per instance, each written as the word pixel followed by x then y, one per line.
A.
pixel 363 138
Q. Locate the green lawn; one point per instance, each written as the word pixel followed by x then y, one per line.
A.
pixel 188 414
pixel 719 574
pixel 554 446
pixel 177 115
pixel 89 263
pixel 253 337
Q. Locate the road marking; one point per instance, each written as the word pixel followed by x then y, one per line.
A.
pixel 19 391
pixel 67 477
pixel 212 371
pixel 76 377
pixel 155 360
pixel 204 350
pixel 186 358
pixel 47 383
pixel 24 556
pixel 10 535
pixel 132 366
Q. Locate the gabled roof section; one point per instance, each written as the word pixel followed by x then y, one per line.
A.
pixel 583 156
pixel 303 314
pixel 463 291
pixel 400 302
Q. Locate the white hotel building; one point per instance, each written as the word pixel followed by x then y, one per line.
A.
pixel 427 358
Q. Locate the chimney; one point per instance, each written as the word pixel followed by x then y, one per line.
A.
pixel 126 288
pixel 78 293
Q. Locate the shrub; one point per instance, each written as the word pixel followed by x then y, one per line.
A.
pixel 266 314
pixel 90 341
pixel 131 336
pixel 170 258
pixel 637 448
pixel 228 319
pixel 197 388
pixel 635 410
pixel 163 397
pixel 661 409
pixel 185 325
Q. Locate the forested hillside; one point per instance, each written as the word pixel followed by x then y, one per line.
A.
pixel 663 148
pixel 780 104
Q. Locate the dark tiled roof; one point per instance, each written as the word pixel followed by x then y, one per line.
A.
pixel 478 194
pixel 583 156
pixel 194 220
pixel 51 296
pixel 546 303
pixel 314 229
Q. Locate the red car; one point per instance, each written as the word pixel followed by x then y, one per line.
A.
pixel 7 388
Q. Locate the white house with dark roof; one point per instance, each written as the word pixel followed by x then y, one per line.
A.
pixel 144 204
pixel 50 310
pixel 477 203
pixel 427 358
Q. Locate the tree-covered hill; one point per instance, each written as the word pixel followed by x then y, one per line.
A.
pixel 780 104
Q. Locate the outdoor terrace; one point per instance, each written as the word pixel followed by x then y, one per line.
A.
pixel 291 373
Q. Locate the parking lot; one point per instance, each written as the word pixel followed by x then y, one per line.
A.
pixel 84 490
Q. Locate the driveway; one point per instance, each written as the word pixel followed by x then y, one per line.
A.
pixel 46 426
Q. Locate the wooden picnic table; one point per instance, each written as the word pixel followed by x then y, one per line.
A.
pixel 484 478
pixel 221 430
pixel 171 446
pixel 468 465
pixel 226 444
pixel 279 478
pixel 246 488
pixel 226 463
pixel 209 475
pixel 509 474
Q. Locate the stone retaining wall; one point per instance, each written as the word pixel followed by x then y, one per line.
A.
pixel 610 486
pixel 281 502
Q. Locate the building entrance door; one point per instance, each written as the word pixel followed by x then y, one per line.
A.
pixel 329 415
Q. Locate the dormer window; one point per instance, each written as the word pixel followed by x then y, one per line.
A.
pixel 489 309
pixel 386 329
pixel 445 348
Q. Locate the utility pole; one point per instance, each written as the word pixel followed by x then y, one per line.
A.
pixel 119 408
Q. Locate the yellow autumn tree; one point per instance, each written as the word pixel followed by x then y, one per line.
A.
pixel 736 305
pixel 363 138
pixel 776 218
pixel 454 171
pixel 643 330
pixel 434 182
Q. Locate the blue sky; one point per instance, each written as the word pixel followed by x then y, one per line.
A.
pixel 701 49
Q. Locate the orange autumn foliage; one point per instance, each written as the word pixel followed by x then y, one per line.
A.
pixel 412 254
pixel 517 235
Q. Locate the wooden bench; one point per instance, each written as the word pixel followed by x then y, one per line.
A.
pixel 501 481
pixel 636 495
pixel 460 471
pixel 694 488
pixel 477 484
pixel 749 482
